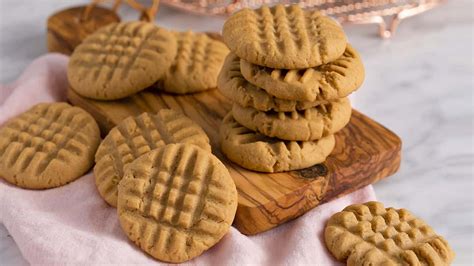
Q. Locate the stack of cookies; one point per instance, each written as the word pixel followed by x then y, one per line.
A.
pixel 289 74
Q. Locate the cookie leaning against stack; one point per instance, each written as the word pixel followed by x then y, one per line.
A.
pixel 289 74
pixel 197 64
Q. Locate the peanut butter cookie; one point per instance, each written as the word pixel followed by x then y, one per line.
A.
pixel 197 64
pixel 121 59
pixel 233 85
pixel 176 202
pixel 48 146
pixel 370 234
pixel 309 124
pixel 336 79
pixel 136 136
pixel 257 152
pixel 284 37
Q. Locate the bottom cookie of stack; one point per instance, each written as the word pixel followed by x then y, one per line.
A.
pixel 257 152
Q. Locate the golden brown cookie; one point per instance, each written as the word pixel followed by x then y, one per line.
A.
pixel 336 79
pixel 48 146
pixel 309 124
pixel 121 59
pixel 257 152
pixel 136 136
pixel 233 85
pixel 369 234
pixel 176 202
pixel 197 64
pixel 284 37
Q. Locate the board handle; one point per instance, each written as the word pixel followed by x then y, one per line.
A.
pixel 146 13
pixel 88 10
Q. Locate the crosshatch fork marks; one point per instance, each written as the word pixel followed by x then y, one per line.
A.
pixel 134 137
pixel 381 235
pixel 52 115
pixel 120 60
pixel 36 146
pixel 197 64
pixel 182 191
pixel 113 50
pixel 284 37
pixel 330 81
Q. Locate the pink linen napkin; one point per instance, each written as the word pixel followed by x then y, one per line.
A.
pixel 73 225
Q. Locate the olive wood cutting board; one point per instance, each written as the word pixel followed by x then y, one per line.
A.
pixel 365 152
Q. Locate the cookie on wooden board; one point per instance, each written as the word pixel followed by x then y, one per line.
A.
pixel 336 79
pixel 284 37
pixel 310 124
pixel 48 146
pixel 176 202
pixel 121 59
pixel 257 152
pixel 370 234
pixel 136 136
pixel 197 64
pixel 235 87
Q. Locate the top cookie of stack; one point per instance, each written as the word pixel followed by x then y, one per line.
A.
pixel 289 73
pixel 125 58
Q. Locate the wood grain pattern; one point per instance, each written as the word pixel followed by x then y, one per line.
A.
pixel 365 152
pixel 67 28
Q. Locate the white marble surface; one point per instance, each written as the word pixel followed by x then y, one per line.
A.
pixel 419 84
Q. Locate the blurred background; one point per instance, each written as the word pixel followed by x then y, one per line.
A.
pixel 419 83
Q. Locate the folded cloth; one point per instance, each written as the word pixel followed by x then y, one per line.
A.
pixel 73 225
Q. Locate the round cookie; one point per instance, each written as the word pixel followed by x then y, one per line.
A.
pixel 121 59
pixel 197 64
pixel 48 146
pixel 336 79
pixel 235 87
pixel 136 136
pixel 369 234
pixel 257 152
pixel 309 124
pixel 284 37
pixel 176 202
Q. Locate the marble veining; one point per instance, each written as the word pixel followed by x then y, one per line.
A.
pixel 419 84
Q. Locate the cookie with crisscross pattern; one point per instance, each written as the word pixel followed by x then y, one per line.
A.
pixel 136 136
pixel 176 202
pixel 48 146
pixel 257 152
pixel 284 37
pixel 309 124
pixel 121 59
pixel 336 79
pixel 235 87
pixel 370 234
pixel 197 64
